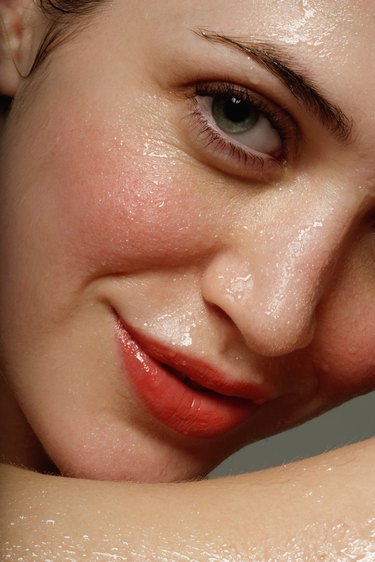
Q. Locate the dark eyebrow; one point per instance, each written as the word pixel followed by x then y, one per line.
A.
pixel 277 61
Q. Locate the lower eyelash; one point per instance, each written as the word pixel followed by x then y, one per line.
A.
pixel 217 142
pixel 225 152
pixel 216 139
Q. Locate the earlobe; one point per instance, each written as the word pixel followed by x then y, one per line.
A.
pixel 14 34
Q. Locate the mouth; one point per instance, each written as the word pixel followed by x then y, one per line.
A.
pixel 183 394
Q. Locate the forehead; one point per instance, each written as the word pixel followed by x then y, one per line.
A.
pixel 331 42
pixel 291 21
pixel 333 39
pixel 321 30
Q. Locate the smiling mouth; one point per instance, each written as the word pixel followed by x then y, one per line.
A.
pixel 185 395
pixel 188 382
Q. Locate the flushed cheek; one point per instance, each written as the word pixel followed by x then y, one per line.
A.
pixel 121 210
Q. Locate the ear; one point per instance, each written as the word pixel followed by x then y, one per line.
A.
pixel 15 22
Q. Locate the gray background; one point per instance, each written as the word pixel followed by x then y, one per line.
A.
pixel 351 422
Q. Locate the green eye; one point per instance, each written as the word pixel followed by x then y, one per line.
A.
pixel 239 130
pixel 234 115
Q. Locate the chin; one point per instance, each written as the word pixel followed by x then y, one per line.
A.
pixel 167 470
pixel 140 458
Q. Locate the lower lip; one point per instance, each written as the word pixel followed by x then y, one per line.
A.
pixel 174 404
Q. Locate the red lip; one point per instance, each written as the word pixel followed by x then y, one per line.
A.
pixel 206 405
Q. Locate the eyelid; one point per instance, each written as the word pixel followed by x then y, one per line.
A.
pixel 246 162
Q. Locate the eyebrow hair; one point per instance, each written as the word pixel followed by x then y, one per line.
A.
pixel 277 61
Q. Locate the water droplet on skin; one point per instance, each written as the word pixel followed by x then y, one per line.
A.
pixel 186 340
pixel 240 287
pixel 295 249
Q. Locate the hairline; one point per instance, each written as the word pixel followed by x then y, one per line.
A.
pixel 60 13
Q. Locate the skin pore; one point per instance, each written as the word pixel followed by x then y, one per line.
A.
pixel 251 255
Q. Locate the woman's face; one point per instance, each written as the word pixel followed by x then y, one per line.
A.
pixel 188 190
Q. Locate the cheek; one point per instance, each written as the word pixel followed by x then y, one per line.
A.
pixel 86 208
pixel 345 349
pixel 115 209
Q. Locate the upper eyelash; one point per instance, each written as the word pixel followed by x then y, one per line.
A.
pixel 277 117
pixel 228 89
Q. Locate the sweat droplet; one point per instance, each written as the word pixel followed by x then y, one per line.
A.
pixel 240 287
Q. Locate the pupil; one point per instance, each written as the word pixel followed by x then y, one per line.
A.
pixel 236 110
pixel 234 115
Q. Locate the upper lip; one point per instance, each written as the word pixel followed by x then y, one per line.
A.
pixel 200 372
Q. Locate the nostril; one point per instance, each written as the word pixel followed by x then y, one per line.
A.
pixel 220 313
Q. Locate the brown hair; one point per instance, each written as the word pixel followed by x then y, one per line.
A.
pixel 53 7
pixel 65 18
pixel 60 14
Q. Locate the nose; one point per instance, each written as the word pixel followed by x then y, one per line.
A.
pixel 271 277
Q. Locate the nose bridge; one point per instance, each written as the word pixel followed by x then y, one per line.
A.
pixel 270 280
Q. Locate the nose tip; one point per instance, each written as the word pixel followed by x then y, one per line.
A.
pixel 273 308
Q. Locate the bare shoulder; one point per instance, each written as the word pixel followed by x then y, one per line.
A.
pixel 317 509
